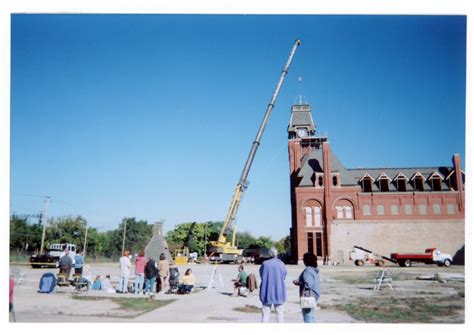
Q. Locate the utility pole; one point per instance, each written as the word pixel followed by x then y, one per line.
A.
pixel 85 242
pixel 44 224
pixel 124 232
pixel 205 241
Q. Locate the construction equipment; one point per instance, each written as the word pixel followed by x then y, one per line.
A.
pixel 181 256
pixel 222 247
pixel 361 255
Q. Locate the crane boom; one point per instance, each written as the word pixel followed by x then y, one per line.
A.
pixel 242 184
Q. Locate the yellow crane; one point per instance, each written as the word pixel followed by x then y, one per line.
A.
pixel 223 247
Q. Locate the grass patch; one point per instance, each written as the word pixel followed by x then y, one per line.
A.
pixel 248 309
pixel 137 305
pixel 401 310
pixel 355 281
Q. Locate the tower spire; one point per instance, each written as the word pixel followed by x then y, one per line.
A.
pixel 300 88
pixel 300 99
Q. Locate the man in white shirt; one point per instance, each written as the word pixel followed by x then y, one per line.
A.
pixel 124 272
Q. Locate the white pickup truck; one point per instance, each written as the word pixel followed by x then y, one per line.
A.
pixel 54 252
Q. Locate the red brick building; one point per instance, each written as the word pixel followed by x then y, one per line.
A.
pixel 382 209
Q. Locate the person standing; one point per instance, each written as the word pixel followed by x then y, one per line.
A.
pixel 140 263
pixel 272 288
pixel 164 270
pixel 124 272
pixel 309 284
pixel 150 275
pixel 12 285
pixel 79 263
pixel 65 264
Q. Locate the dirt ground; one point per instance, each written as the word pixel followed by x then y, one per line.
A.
pixel 347 296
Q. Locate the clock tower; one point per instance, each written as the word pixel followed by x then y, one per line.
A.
pixel 303 142
pixel 301 122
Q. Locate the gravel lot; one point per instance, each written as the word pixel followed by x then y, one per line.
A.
pixel 343 289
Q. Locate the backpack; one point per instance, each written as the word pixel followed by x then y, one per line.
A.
pixel 47 283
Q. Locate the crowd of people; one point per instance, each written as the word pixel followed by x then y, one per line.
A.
pixel 152 277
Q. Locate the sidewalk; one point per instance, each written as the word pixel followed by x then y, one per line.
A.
pixel 218 306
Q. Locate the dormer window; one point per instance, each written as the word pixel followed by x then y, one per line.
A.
pixel 451 180
pixel 400 182
pixel 418 181
pixel 383 182
pixel 335 180
pixel 366 183
pixel 435 182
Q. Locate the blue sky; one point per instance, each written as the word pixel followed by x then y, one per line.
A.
pixel 152 116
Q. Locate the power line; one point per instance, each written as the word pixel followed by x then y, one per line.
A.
pixel 28 195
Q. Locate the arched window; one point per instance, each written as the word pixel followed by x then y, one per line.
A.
pixel 334 180
pixel 312 212
pixel 366 210
pixel 344 210
pixel 451 209
pixel 394 209
pixel 422 209
pixel 347 212
pixel 317 216
pixel 309 218
pixel 380 210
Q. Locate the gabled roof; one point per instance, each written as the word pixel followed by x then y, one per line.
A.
pixel 417 174
pixel 313 163
pixel 399 176
pixel 435 173
pixel 366 175
pixel 383 176
pixel 450 173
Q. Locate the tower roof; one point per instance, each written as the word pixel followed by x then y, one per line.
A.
pixel 313 163
pixel 301 117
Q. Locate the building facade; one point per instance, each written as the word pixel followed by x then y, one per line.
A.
pixel 382 209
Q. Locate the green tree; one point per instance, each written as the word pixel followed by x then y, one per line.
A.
pixel 25 237
pixel 194 235
pixel 283 245
pixel 265 242
pixel 66 229
pixel 137 236
pixel 19 234
pixel 244 239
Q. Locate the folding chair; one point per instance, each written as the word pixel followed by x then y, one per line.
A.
pixel 62 282
pixel 80 284
pixel 19 276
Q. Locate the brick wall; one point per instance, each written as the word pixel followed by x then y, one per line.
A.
pixel 396 236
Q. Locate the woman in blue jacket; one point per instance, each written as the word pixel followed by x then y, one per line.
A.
pixel 309 284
